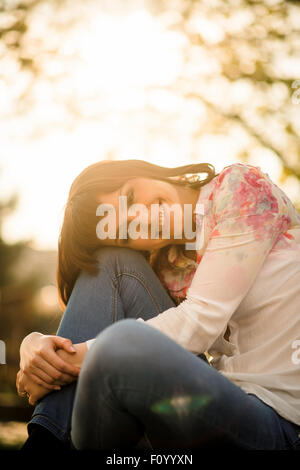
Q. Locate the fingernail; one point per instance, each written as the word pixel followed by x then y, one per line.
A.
pixel 57 388
pixel 72 349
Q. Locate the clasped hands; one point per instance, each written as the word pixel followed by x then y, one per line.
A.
pixel 47 363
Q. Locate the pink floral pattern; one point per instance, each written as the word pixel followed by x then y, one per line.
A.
pixel 241 204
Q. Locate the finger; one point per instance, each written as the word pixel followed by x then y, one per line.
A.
pixel 17 380
pixel 29 377
pixel 57 363
pixel 22 393
pixel 42 370
pixel 53 373
pixel 20 386
pixel 32 401
pixel 65 380
pixel 43 384
pixel 41 378
pixel 64 343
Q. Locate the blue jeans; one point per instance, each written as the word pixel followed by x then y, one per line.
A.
pixel 137 385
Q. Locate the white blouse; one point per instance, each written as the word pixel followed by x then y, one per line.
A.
pixel 247 283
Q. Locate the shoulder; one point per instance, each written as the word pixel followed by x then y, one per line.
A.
pixel 237 172
pixel 244 189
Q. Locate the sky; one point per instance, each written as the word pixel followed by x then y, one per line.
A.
pixel 102 92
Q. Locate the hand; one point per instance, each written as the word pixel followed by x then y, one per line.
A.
pixel 77 358
pixel 26 387
pixel 41 364
pixel 29 389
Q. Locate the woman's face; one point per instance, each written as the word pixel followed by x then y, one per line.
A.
pixel 150 192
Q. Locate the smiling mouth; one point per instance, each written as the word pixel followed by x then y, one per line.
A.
pixel 158 221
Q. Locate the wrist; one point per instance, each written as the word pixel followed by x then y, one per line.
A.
pixel 81 350
pixel 75 358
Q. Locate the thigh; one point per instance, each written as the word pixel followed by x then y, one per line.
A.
pixel 137 378
pixel 125 287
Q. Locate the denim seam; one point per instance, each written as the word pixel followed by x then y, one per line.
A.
pixel 142 283
pixel 64 434
pixel 114 309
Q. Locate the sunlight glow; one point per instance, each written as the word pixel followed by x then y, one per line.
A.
pixel 110 84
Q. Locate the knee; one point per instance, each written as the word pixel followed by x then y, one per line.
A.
pixel 114 257
pixel 113 260
pixel 117 347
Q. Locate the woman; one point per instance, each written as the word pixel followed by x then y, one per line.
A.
pixel 136 331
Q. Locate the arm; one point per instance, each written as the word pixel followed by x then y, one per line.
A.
pixel 25 384
pixel 249 219
pixel 41 363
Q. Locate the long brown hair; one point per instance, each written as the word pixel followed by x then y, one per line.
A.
pixel 78 239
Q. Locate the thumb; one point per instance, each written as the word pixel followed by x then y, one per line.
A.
pixel 64 343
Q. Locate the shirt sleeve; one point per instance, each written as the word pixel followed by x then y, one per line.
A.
pixel 248 220
pixel 89 342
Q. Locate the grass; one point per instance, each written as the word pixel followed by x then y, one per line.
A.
pixel 12 435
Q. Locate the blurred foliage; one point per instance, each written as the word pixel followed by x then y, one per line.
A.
pixel 18 311
pixel 241 59
pixel 12 435
pixel 14 301
pixel 252 46
pixel 9 254
pixel 234 48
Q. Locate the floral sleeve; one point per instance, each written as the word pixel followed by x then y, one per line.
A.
pixel 249 217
